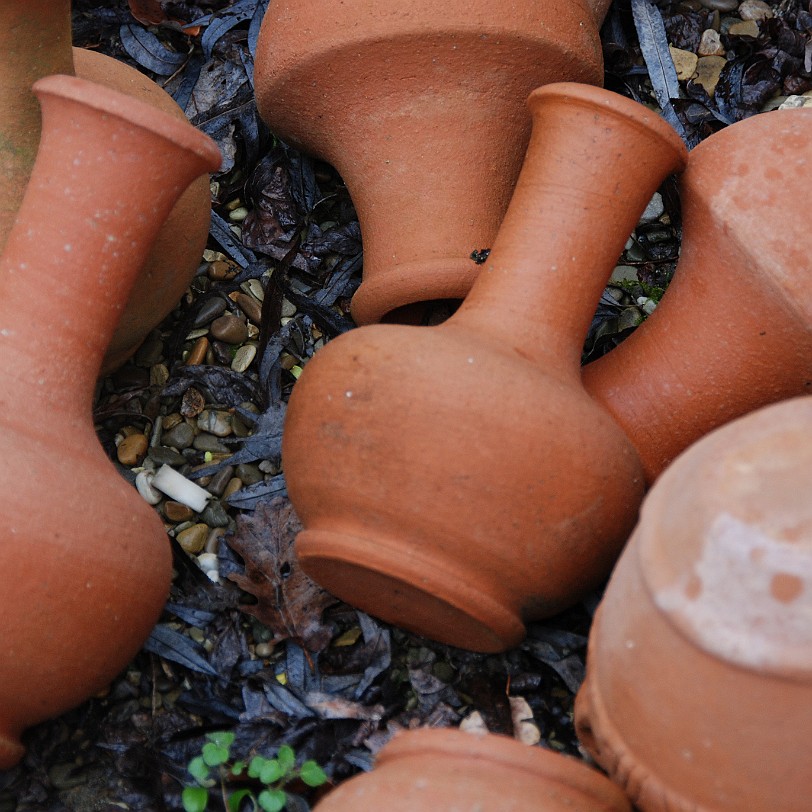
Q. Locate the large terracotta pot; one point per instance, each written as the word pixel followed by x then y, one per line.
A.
pixel 446 770
pixel 420 107
pixel 698 693
pixel 456 480
pixel 85 561
pixel 36 43
pixel 734 330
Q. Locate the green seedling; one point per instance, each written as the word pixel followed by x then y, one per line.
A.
pixel 214 768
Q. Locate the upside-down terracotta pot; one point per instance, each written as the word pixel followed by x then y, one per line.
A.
pixel 36 40
pixel 698 693
pixel 734 329
pixel 421 108
pixel 457 480
pixel 445 770
pixel 86 563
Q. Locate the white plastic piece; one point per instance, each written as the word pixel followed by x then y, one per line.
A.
pixel 183 490
pixel 143 484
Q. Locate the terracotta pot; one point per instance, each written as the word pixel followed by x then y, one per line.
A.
pixel 85 561
pixel 472 482
pixel 420 107
pixel 734 330
pixel 450 771
pixel 698 693
pixel 37 42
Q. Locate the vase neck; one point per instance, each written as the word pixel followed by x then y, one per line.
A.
pixel 108 171
pixel 593 163
pixel 37 43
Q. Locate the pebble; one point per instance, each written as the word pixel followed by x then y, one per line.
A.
pixel 240 429
pixel 244 357
pixel 213 540
pixel 177 512
pixel 215 422
pixel 198 352
pixel 263 650
pixel 248 473
pixel 143 484
pixel 217 484
pixel 794 102
pixel 193 539
pixel 250 306
pixel 208 442
pixel 720 5
pixel 169 421
pixel 132 450
pixel 220 270
pixel 149 353
pixel 215 515
pixel 708 69
pixel 230 329
pixel 755 10
pixel 684 62
pixel 745 28
pixel 166 456
pixel 211 309
pixel 710 44
pixel 223 353
pixel 234 484
pixel 288 309
pixel 208 562
pixel 158 374
pixel 624 273
pixel 654 209
pixel 255 288
pixel 180 437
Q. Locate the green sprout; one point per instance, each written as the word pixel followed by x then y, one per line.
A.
pixel 214 767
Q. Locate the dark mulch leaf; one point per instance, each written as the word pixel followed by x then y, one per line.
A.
pixel 178 648
pixel 149 52
pixel 288 602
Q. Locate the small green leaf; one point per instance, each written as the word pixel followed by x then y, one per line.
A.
pixel 255 766
pixel 195 799
pixel 286 758
pixel 197 767
pixel 214 755
pixel 271 771
pixel 312 774
pixel 237 768
pixel 237 798
pixel 222 738
pixel 272 800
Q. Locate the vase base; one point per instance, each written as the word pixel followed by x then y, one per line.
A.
pixel 419 593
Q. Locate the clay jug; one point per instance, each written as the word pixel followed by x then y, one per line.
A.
pixel 37 42
pixel 698 693
pixel 446 770
pixel 734 330
pixel 421 108
pixel 86 563
pixel 457 480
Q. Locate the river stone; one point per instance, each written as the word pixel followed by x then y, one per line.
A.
pixel 250 306
pixel 230 329
pixel 215 422
pixel 755 10
pixel 244 357
pixel 745 28
pixel 179 437
pixel 132 450
pixel 684 62
pixel 208 442
pixel 708 70
pixel 210 310
pixel 720 5
pixel 249 474
pixel 177 512
pixel 710 44
pixel 193 539
pixel 161 455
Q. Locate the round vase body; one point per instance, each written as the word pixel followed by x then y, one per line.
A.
pixel 464 494
pixel 421 109
pixel 734 329
pixel 698 693
pixel 39 44
pixel 450 771
pixel 86 561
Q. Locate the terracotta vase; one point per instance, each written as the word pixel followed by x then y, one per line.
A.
pixel 420 107
pixel 446 770
pixel 37 43
pixel 85 561
pixel 456 480
pixel 734 330
pixel 698 693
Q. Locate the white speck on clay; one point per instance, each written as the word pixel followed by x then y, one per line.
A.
pixel 755 605
pixel 348 394
pixel 68 246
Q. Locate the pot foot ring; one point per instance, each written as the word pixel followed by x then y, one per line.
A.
pixel 417 592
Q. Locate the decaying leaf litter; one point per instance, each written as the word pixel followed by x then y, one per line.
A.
pixel 264 652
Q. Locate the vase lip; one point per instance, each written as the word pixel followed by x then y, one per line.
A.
pixel 723 560
pixel 610 103
pixel 506 752
pixel 134 111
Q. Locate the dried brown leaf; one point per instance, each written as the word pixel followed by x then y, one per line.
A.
pixel 288 602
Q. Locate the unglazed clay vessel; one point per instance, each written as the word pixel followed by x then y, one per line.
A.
pixel 472 482
pixel 698 693
pixel 421 108
pixel 85 561
pixel 36 43
pixel 446 770
pixel 734 329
